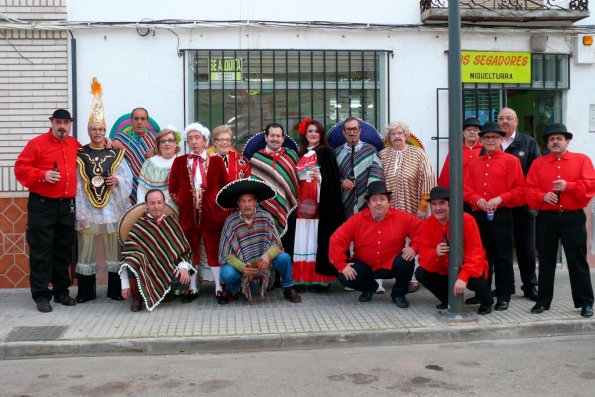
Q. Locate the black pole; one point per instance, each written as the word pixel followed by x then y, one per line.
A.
pixel 455 116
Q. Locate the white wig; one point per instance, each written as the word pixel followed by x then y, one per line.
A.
pixel 204 131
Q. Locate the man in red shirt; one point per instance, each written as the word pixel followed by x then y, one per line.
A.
pixel 434 255
pixel 471 149
pixel 560 185
pixel 47 167
pixel 493 185
pixel 378 235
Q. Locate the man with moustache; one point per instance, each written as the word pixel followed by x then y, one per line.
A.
pixel 194 181
pixel 493 186
pixel 524 148
pixel 104 182
pixel 560 185
pixel 434 250
pixel 139 145
pixel 378 235
pixel 47 167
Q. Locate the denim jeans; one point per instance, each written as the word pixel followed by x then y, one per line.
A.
pixel 282 265
pixel 364 281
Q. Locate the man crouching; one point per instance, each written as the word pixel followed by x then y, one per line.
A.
pixel 155 253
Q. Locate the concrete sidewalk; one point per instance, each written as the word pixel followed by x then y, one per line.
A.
pixel 331 319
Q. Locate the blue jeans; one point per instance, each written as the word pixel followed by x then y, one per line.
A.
pixel 282 264
pixel 364 281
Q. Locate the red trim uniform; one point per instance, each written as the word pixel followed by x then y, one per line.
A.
pixel 212 216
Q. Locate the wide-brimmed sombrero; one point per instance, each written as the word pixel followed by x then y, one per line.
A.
pixel 227 197
pixel 257 142
pixel 132 216
pixel 369 134
pixel 124 125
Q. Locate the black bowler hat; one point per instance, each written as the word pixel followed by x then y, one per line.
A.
pixel 377 187
pixel 556 128
pixel 61 114
pixel 472 122
pixel 439 192
pixel 490 126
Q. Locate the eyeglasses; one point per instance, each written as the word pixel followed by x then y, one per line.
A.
pixel 223 140
pixel 397 132
pixel 506 118
pixel 351 130
pixel 490 138
pixel 168 140
pixel 473 129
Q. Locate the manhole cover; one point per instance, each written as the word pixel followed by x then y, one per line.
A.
pixel 22 334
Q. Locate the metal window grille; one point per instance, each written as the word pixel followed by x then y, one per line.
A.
pixel 247 89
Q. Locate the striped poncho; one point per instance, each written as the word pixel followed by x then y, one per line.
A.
pixel 248 242
pixel 279 171
pixel 153 252
pixel 367 170
pixel 136 147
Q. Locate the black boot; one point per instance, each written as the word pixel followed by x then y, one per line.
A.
pixel 114 286
pixel 86 288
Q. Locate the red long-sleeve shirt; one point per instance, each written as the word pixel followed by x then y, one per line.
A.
pixel 575 168
pixel 376 243
pixel 38 157
pixel 497 175
pixel 469 154
pixel 431 233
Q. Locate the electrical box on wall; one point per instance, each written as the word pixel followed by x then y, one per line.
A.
pixel 584 49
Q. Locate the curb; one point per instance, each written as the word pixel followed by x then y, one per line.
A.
pixel 279 342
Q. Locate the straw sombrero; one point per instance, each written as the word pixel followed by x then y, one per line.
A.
pixel 257 143
pixel 227 198
pixel 132 216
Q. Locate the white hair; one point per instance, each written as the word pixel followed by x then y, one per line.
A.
pixel 204 131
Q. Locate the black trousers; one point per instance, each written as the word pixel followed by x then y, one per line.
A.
pixel 365 281
pixel 50 235
pixel 437 284
pixel 570 228
pixel 496 236
pixel 523 224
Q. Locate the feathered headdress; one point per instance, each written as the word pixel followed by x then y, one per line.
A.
pixel 97 116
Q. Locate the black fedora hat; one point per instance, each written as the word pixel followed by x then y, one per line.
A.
pixel 377 187
pixel 439 192
pixel 472 122
pixel 61 114
pixel 490 126
pixel 556 128
pixel 227 197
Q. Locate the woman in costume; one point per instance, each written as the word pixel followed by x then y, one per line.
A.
pixel 319 211
pixel 154 173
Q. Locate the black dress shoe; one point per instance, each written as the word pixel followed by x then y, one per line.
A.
pixel 501 306
pixel 472 301
pixel 366 296
pixel 531 294
pixel 291 295
pixel 115 298
pixel 81 299
pixel 221 298
pixel 484 309
pixel 442 306
pixel 587 311
pixel 44 306
pixel 189 296
pixel 539 308
pixel 401 302
pixel 66 300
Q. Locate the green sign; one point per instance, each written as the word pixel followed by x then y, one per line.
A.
pixel 225 69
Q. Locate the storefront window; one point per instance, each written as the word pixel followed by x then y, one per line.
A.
pixel 248 89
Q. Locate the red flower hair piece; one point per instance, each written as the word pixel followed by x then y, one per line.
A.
pixel 303 126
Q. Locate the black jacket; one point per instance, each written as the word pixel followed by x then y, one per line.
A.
pixel 525 149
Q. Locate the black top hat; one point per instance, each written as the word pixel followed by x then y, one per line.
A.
pixel 227 197
pixel 472 122
pixel 490 126
pixel 439 192
pixel 556 128
pixel 61 114
pixel 377 187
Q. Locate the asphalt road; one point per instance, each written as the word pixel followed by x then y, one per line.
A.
pixel 557 366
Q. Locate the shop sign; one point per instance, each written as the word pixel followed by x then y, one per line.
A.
pixel 225 69
pixel 496 67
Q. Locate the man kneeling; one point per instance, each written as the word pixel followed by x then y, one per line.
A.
pixel 155 252
pixel 378 234
pixel 432 272
pixel 250 244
